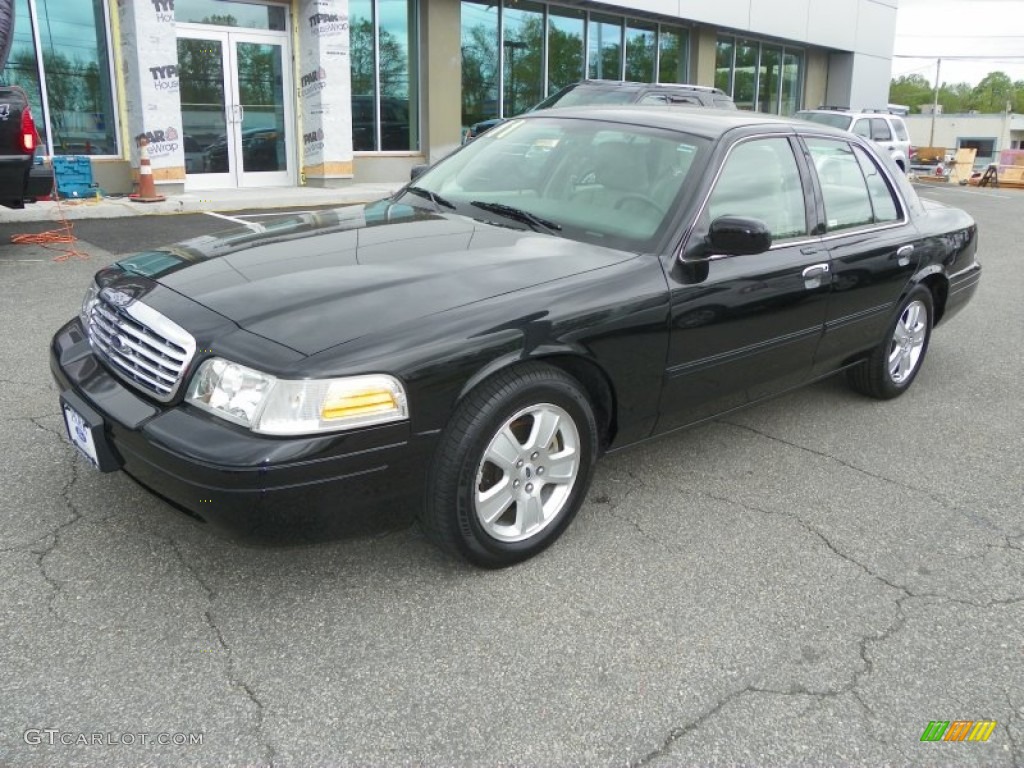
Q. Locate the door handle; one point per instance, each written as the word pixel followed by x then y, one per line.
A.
pixel 903 255
pixel 813 275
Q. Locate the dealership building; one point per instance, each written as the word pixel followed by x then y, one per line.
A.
pixel 327 92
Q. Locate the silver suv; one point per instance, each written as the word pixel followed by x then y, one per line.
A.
pixel 880 126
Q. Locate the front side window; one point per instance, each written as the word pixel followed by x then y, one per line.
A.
pixel 843 187
pixel 761 180
pixel 862 128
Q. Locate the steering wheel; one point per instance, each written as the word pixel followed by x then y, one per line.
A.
pixel 643 199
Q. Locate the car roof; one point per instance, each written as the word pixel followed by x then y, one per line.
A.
pixel 708 123
pixel 853 112
pixel 637 85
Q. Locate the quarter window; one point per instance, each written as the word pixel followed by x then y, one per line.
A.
pixel 760 180
pixel 854 191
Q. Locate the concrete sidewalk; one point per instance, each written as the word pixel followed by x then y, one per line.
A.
pixel 220 200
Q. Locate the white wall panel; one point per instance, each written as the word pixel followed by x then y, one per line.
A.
pixel 780 18
pixel 660 7
pixel 725 13
pixel 876 27
pixel 870 87
pixel 833 23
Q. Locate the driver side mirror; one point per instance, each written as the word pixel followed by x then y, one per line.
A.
pixel 738 236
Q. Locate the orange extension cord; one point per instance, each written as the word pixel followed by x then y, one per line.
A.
pixel 52 239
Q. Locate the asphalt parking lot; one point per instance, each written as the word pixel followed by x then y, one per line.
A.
pixel 809 582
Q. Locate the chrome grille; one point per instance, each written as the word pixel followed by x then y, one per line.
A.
pixel 140 346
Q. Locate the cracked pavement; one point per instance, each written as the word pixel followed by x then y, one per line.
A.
pixel 808 582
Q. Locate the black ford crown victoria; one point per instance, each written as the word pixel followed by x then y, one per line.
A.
pixel 567 285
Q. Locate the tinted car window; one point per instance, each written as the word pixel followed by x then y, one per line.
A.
pixel 880 129
pixel 883 201
pixel 584 97
pixel 760 180
pixel 845 192
pixel 834 120
pixel 901 130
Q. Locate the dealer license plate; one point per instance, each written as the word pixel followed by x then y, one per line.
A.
pixel 80 434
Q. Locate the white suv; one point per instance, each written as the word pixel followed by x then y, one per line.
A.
pixel 880 126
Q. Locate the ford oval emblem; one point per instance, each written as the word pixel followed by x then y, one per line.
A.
pixel 121 345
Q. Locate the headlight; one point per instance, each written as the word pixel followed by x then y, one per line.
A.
pixel 92 297
pixel 273 406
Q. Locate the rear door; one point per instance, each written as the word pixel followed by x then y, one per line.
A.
pixel 873 248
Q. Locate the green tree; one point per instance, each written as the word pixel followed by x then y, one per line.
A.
pixel 912 90
pixel 993 93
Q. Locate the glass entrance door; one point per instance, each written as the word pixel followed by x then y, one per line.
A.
pixel 235 111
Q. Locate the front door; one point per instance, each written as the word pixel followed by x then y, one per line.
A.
pixel 235 107
pixel 745 327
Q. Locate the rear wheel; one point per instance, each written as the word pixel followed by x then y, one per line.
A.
pixel 894 364
pixel 512 468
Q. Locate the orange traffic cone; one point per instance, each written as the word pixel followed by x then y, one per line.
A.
pixel 147 189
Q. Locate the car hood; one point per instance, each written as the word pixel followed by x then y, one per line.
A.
pixel 325 278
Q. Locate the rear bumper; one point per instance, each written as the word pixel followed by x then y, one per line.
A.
pixel 14 175
pixel 962 287
pixel 252 487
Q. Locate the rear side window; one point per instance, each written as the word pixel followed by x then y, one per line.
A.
pixel 901 129
pixel 883 202
pixel 854 190
pixel 880 129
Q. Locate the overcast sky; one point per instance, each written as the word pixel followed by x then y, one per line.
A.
pixel 947 28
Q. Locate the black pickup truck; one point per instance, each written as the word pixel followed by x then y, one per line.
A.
pixel 20 178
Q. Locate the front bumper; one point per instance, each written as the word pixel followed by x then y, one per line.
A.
pixel 252 486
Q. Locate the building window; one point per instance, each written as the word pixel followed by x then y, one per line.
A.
pixel 724 63
pixel 385 77
pixel 523 47
pixel 509 65
pixel 479 63
pixel 768 78
pixel 71 98
pixel 986 148
pixel 673 47
pixel 641 53
pixel 565 47
pixel 604 53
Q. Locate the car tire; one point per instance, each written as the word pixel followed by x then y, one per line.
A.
pixel 894 363
pixel 512 467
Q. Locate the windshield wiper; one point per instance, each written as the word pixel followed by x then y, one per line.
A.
pixel 433 197
pixel 518 214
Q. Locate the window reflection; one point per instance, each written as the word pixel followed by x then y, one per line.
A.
pixel 640 51
pixel 479 62
pixel 523 47
pixel 565 47
pixel 792 70
pixel 768 79
pixel 672 55
pixel 75 61
pixel 724 64
pixel 384 79
pixel 760 76
pixel 745 75
pixel 605 48
pixel 228 13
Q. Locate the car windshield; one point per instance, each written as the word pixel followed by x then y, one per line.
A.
pixel 833 119
pixel 598 182
pixel 588 97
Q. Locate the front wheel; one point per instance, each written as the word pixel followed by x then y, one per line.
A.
pixel 894 364
pixel 512 468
